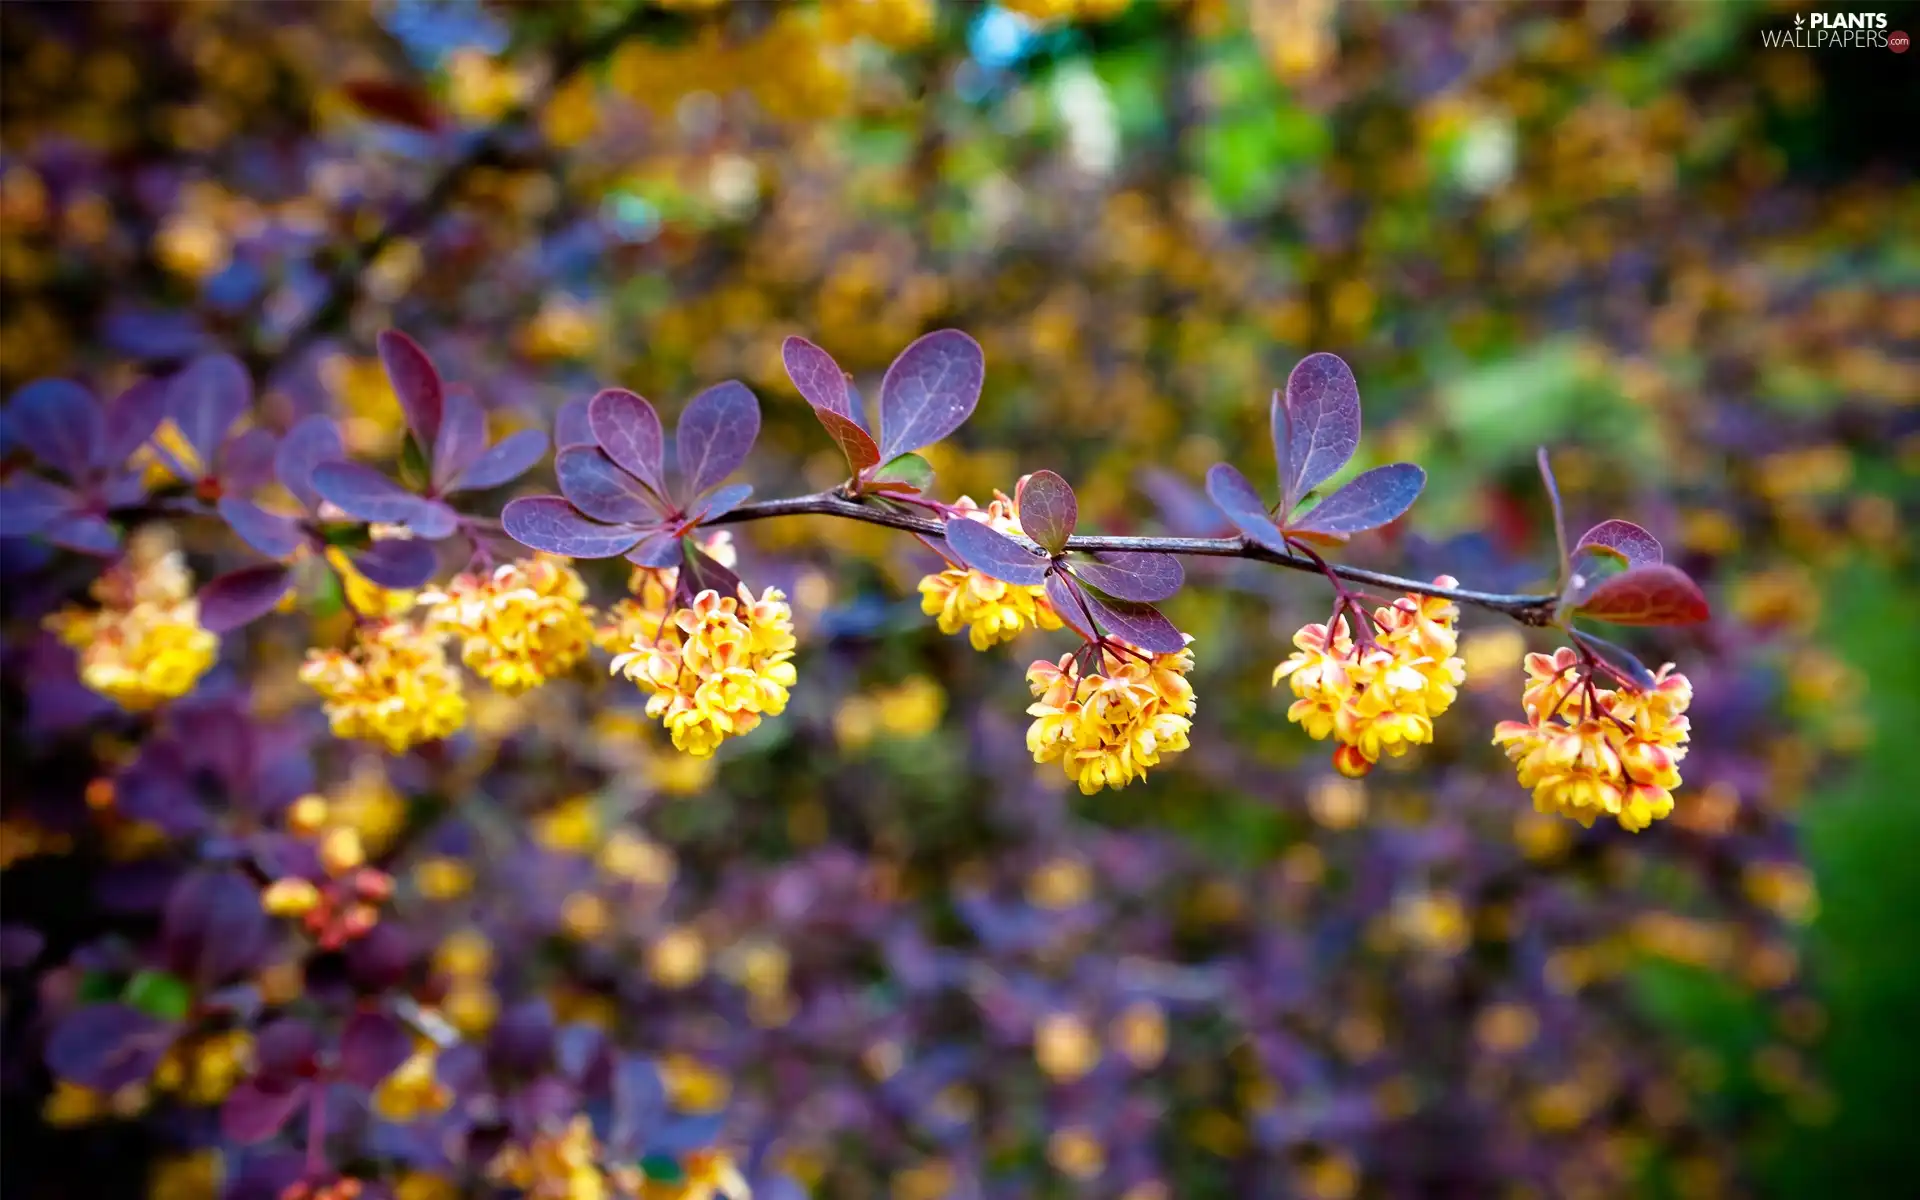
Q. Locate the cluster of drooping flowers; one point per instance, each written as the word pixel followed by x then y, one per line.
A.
pixel 639 616
pixel 1378 696
pixel 343 903
pixel 1588 751
pixel 520 624
pixel 715 667
pixel 393 686
pixel 990 610
pixel 1106 727
pixel 145 643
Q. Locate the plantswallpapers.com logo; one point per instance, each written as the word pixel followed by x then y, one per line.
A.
pixel 1850 31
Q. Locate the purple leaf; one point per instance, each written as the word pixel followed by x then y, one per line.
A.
pixel 1635 544
pixel 1133 576
pixel 397 562
pixel 660 548
pixel 1064 594
pixel 270 533
pixel 371 1046
pixel 1137 624
pixel 600 489
pixel 246 461
pixel 856 443
pixel 107 1046
pixel 721 502
pixel 507 460
pixel 360 491
pixel 628 429
pixel 551 524
pixel 929 391
pixel 1316 428
pixel 819 378
pixel 462 438
pixel 28 504
pixel 701 572
pixel 1655 594
pixel 285 1049
pixel 60 422
pixel 1618 657
pixel 214 929
pixel 84 532
pixel 416 383
pixel 1048 510
pixel 314 440
pixel 571 426
pixel 1368 501
pixel 716 430
pixel 1182 506
pixel 1240 504
pixel 131 420
pixel 206 398
pixel 233 599
pixel 990 552
pixel 253 1112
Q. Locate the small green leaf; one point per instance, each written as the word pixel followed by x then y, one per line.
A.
pixel 159 994
pixel 97 987
pixel 662 1168
pixel 414 471
pixel 907 473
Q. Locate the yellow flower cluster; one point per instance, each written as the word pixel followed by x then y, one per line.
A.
pixel 1106 728
pixel 716 667
pixel 638 618
pixel 989 610
pixel 395 686
pixel 554 1166
pixel 1380 699
pixel 145 643
pixel 414 1090
pixel 1589 751
pixel 520 625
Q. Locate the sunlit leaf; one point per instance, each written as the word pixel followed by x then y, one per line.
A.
pixel 716 430
pixel 854 442
pixel 600 489
pixel 929 391
pixel 628 429
pixel 1241 505
pixel 1133 575
pixel 1367 501
pixel 1655 594
pixel 1048 510
pixel 1635 544
pixel 820 380
pixel 415 382
pixel 232 600
pixel 551 524
pixel 990 552
pixel 1316 425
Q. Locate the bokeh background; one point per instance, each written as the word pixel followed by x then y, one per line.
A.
pixel 871 948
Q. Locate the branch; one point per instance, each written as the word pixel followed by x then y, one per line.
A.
pixel 1522 607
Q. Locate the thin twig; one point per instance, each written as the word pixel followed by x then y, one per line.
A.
pixel 1525 608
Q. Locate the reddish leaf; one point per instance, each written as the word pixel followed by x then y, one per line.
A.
pixel 360 491
pixel 854 442
pixel 253 1113
pixel 372 1046
pixel 505 461
pixel 397 562
pixel 1048 510
pixel 1137 624
pixel 28 504
pixel 720 503
pixel 701 572
pixel 462 438
pixel 929 391
pixel 716 430
pixel 551 524
pixel 1619 657
pixel 416 383
pixel 1065 594
pixel 107 1046
pixel 1656 594
pixel 206 399
pixel 1316 427
pixel 601 490
pixel 990 552
pixel 1368 501
pixel 1133 576
pixel 314 440
pixel 59 421
pixel 270 533
pixel 628 429
pixel 1635 544
pixel 388 101
pixel 1240 504
pixel 819 378
pixel 234 599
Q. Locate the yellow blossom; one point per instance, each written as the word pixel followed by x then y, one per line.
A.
pixel 1589 751
pixel 716 668
pixel 1106 727
pixel 989 610
pixel 413 1090
pixel 559 1165
pixel 363 595
pixel 394 687
pixel 145 643
pixel 640 616
pixel 1377 699
pixel 519 626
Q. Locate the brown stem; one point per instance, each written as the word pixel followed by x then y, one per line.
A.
pixel 1528 609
